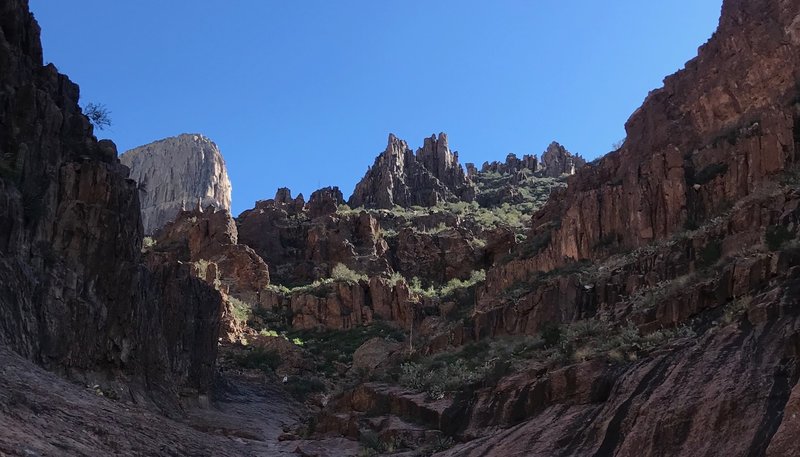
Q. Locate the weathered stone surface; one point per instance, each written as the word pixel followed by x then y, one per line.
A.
pixel 186 172
pixel 342 305
pixel 437 258
pixel 399 177
pixel 73 288
pixel 210 236
pixel 324 201
pixel 512 164
pixel 301 243
pixel 557 161
pixel 374 354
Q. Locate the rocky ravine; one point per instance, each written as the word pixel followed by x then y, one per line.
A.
pixel 650 307
pixel 186 172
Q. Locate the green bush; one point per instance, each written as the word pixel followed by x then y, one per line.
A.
pixel 437 378
pixel 148 243
pixel 300 387
pixel 259 359
pixel 241 311
pixel 341 273
pixel 551 334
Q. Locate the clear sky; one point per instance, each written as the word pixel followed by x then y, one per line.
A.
pixel 303 93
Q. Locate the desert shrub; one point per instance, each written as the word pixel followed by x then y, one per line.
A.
pixel 373 445
pixel 735 309
pixel 300 387
pixel 649 297
pixel 477 276
pixel 259 359
pixel 337 346
pixel 791 176
pixel 389 232
pixel 436 378
pixel 551 334
pixel 396 277
pixel 148 242
pixel 240 310
pixel 341 273
pixel 584 329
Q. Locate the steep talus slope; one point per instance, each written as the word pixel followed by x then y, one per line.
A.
pixel 186 172
pixel 74 292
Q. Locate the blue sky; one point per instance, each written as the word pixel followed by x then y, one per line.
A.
pixel 303 94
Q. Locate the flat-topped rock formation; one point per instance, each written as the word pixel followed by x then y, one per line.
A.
pixel 181 173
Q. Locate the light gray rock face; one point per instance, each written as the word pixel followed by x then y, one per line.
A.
pixel 180 173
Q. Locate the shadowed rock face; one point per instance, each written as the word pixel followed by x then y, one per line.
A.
pixel 401 178
pixel 176 174
pixel 74 292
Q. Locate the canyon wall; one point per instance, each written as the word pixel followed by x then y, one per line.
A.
pixel 74 291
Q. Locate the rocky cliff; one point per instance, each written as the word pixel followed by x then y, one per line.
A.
pixel 186 172
pixel 401 178
pixel 557 161
pixel 653 307
pixel 74 291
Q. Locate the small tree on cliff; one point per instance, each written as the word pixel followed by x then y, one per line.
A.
pixel 98 115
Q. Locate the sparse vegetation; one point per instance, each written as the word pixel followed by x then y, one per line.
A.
pixel 585 339
pixel 735 309
pixel 259 359
pixel 450 287
pixel 240 310
pixel 341 273
pixel 148 243
pixel 331 347
pixel 373 445
pixel 649 297
pixel 300 387
pixel 446 373
pixel 98 115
